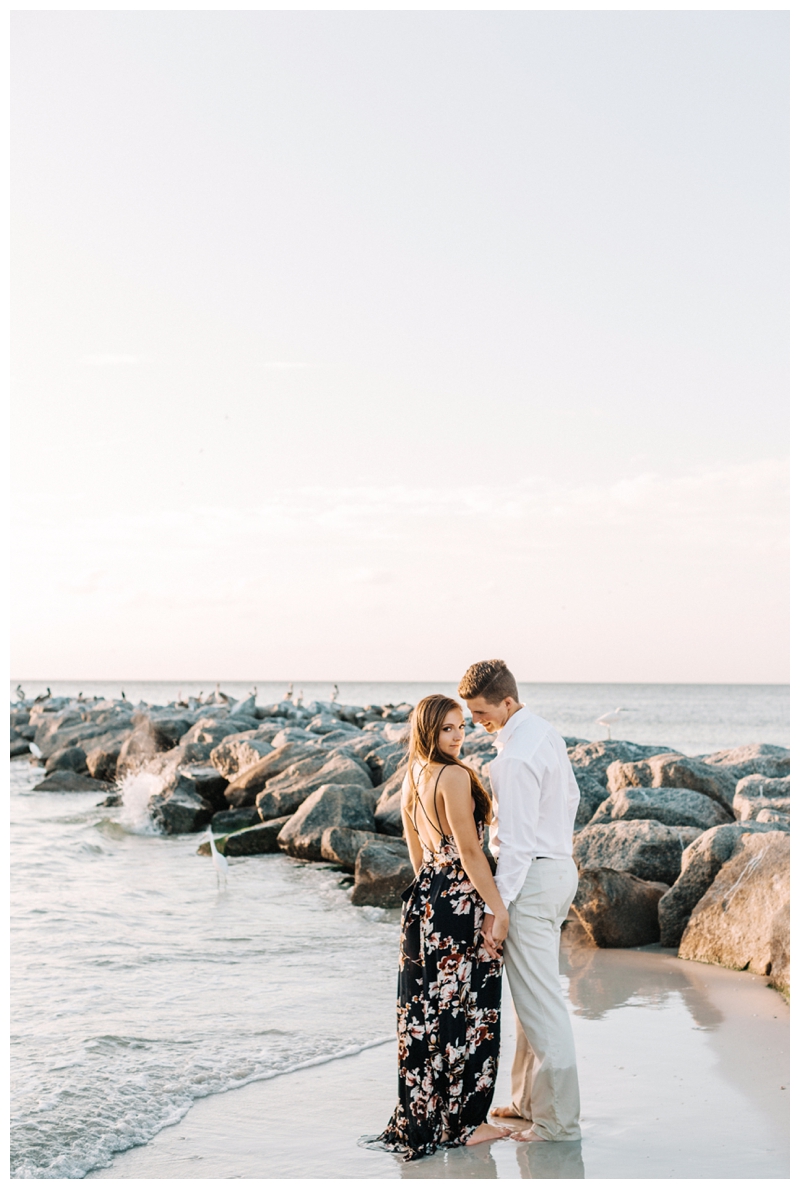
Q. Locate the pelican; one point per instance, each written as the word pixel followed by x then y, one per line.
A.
pixel 334 693
pixel 287 697
pixel 299 699
pixel 218 859
pixel 605 720
pixel 20 692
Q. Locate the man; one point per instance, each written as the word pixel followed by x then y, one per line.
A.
pixel 535 801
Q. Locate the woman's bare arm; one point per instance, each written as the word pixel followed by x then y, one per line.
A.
pixel 457 793
pixel 411 836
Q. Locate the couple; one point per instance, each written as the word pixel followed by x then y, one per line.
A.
pixel 460 924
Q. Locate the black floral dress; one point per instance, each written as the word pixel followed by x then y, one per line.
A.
pixel 448 1009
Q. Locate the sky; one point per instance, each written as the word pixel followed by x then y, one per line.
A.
pixel 365 345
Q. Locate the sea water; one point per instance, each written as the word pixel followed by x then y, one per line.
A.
pixel 140 985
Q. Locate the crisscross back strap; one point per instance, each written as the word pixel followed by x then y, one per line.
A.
pixel 418 801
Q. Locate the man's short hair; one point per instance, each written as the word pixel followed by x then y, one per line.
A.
pixel 492 680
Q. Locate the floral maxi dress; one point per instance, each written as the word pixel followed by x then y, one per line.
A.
pixel 448 1010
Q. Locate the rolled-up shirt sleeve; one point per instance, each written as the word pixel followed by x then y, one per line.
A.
pixel 517 788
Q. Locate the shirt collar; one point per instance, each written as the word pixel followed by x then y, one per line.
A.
pixel 502 737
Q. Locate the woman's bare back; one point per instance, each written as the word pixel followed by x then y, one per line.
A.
pixel 426 804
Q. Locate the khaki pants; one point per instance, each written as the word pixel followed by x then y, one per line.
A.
pixel 544 1077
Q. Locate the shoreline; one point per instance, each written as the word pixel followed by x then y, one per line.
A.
pixel 672 1056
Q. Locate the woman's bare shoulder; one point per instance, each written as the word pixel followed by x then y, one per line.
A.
pixel 456 779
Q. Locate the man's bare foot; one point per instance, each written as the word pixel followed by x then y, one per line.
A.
pixel 487 1131
pixel 506 1112
pixel 528 1136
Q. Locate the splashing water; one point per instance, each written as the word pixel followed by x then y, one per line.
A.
pixel 137 788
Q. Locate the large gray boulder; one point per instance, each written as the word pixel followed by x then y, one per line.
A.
pixel 672 807
pixel 64 780
pixel 245 787
pixel 618 910
pixel 205 780
pixel 756 793
pixel 341 845
pixel 388 811
pixel 78 734
pixel 258 839
pixel 593 794
pixel 228 821
pixel 701 862
pixel 237 753
pixel 383 873
pixel 213 730
pixel 140 747
pixel 103 755
pixel 742 921
pixel 19 746
pixel 48 726
pixel 644 848
pixel 295 734
pixel 343 805
pixel 287 792
pixel 673 770
pixel 179 809
pixel 763 759
pixel 595 758
pixel 71 758
pixel 165 729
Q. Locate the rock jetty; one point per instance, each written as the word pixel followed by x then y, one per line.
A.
pixel 691 851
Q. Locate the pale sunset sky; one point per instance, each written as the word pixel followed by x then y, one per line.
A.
pixel 364 345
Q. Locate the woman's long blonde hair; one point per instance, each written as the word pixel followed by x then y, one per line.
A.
pixel 423 746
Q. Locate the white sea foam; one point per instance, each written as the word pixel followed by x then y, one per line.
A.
pixel 137 788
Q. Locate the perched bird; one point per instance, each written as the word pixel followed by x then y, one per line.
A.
pixel 218 859
pixel 334 693
pixel 298 701
pixel 255 691
pixel 20 692
pixel 122 692
pixel 287 697
pixel 605 720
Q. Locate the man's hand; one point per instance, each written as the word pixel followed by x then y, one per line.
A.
pixel 494 933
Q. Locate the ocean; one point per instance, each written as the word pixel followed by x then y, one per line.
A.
pixel 139 986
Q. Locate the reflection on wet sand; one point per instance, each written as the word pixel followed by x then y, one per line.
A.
pixel 537 1161
pixel 602 980
pixel 475 1163
pixel 551 1162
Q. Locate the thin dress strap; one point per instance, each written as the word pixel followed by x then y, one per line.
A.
pixel 418 801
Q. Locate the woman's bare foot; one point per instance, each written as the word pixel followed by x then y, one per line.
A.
pixel 506 1112
pixel 525 1137
pixel 487 1131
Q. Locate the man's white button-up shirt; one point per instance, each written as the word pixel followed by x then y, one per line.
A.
pixel 535 797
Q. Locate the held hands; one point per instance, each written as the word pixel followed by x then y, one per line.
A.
pixel 494 930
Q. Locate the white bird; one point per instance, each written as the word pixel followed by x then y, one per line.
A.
pixel 287 697
pixel 605 720
pixel 218 859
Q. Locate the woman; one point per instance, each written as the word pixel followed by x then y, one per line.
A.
pixel 448 1011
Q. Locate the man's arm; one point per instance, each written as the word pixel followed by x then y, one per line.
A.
pixel 517 785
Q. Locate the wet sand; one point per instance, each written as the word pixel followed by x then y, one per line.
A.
pixel 684 1073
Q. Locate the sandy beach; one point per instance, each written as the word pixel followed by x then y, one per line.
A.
pixel 684 1073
